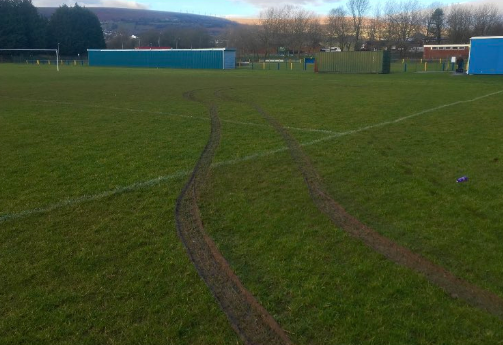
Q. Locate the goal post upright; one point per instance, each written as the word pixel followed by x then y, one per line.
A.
pixel 37 50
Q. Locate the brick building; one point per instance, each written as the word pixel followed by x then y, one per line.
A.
pixel 446 51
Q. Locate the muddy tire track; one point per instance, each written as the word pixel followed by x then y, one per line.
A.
pixel 247 317
pixel 452 285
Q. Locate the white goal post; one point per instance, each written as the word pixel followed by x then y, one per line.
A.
pixel 37 50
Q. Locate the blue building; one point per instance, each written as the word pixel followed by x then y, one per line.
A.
pixel 216 58
pixel 486 55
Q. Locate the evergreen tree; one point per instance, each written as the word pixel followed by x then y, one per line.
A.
pixel 20 25
pixel 438 24
pixel 76 29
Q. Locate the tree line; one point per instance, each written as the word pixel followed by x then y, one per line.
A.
pixel 287 30
pixel 396 24
pixel 179 38
pixel 73 29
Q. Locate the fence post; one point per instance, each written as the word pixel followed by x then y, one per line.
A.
pixel 278 66
pixel 426 66
pixel 405 68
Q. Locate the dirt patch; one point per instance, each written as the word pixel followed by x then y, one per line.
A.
pixel 248 318
pixel 455 287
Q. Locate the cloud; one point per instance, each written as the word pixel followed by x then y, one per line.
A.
pixel 497 3
pixel 279 3
pixel 123 4
pixel 92 3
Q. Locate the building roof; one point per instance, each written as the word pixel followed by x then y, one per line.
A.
pixel 486 37
pixel 160 50
pixel 446 45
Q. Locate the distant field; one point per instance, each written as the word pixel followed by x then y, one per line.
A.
pixel 93 160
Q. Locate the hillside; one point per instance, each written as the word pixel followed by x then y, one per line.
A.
pixel 138 21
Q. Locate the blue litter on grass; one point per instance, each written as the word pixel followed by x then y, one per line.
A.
pixel 462 179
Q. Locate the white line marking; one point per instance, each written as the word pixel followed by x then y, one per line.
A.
pixel 86 198
pixel 179 174
pixel 202 118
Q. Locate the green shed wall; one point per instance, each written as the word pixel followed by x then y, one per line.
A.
pixel 193 59
pixel 353 62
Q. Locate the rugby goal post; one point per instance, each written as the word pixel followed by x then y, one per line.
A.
pixel 37 50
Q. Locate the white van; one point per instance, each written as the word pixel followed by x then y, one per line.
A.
pixel 331 49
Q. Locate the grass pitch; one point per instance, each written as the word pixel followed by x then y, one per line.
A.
pixel 94 158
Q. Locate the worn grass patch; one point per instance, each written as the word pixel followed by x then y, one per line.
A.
pixel 110 269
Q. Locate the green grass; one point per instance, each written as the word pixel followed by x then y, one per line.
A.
pixel 111 269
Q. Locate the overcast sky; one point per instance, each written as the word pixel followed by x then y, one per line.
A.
pixel 231 8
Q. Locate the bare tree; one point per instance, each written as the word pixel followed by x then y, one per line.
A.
pixel 286 15
pixel 339 27
pixel 288 28
pixel 375 29
pixel 245 39
pixel 459 21
pixel 300 24
pixel 497 29
pixel 485 17
pixel 270 20
pixel 403 22
pixel 358 9
pixel 315 35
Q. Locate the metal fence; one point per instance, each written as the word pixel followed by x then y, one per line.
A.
pixel 62 62
pixel 42 59
pixel 422 65
pixel 306 65
pixel 354 62
pixel 278 65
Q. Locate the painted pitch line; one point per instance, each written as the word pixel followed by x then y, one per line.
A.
pixel 180 174
pixel 87 198
pixel 131 110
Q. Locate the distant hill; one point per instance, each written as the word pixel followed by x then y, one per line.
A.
pixel 138 21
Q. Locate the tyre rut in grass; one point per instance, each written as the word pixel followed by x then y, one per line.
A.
pixel 456 287
pixel 247 317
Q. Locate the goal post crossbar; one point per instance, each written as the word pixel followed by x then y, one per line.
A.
pixel 40 50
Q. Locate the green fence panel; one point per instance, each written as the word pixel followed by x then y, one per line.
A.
pixel 161 58
pixel 354 62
